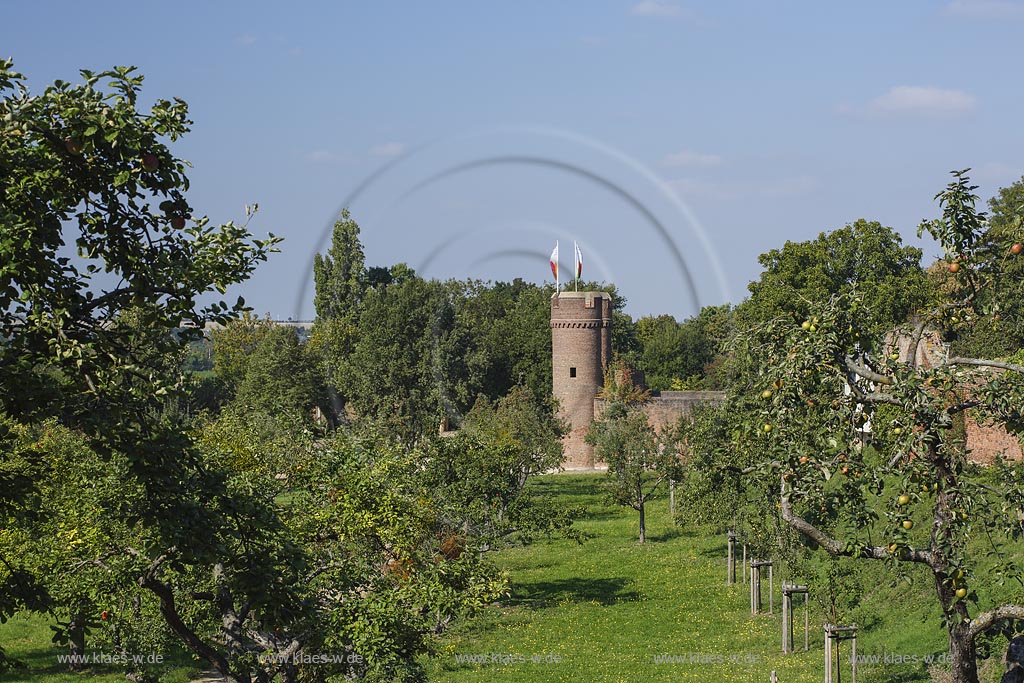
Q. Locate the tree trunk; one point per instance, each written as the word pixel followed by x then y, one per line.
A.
pixel 643 526
pixel 76 642
pixel 963 655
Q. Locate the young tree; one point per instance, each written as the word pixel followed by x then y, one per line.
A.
pixel 639 459
pixel 864 438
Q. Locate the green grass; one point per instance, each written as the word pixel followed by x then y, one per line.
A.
pixel 606 609
pixel 27 638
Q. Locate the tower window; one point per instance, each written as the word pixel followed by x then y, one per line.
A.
pixel 572 372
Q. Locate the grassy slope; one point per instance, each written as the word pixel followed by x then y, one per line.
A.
pixel 608 607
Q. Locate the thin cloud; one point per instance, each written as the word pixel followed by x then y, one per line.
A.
pixel 388 149
pixel 985 9
pixel 923 101
pixel 321 156
pixel 655 8
pixel 688 157
pixel 776 188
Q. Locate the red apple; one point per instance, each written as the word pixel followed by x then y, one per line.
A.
pixel 954 267
pixel 73 145
pixel 150 162
pixel 178 223
pixel 1017 248
pixel 104 615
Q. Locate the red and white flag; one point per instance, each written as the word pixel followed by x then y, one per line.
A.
pixel 554 264
pixel 579 260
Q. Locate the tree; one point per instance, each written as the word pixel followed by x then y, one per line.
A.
pixel 1002 334
pixel 340 276
pixel 639 459
pixel 674 355
pixel 195 529
pixel 480 475
pixel 234 344
pixel 96 342
pixel 280 377
pixel 864 440
pixel 863 255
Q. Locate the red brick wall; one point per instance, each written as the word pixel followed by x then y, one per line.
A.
pixel 987 442
pixel 580 323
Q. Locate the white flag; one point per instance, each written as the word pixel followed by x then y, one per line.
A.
pixel 554 263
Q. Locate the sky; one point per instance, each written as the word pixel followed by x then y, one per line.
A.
pixel 673 141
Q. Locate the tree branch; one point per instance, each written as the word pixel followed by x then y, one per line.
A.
pixel 169 611
pixel 981 362
pixel 867 373
pixel 986 620
pixel 837 549
pixel 915 341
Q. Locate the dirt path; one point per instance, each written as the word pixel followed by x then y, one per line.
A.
pixel 209 677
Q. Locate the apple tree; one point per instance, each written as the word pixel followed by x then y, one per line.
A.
pixel 863 439
pixel 639 458
pixel 103 267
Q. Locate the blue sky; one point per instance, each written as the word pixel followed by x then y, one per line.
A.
pixel 674 140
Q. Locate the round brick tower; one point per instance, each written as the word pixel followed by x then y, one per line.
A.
pixel 581 345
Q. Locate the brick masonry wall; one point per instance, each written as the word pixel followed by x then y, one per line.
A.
pixel 988 442
pixel 985 442
pixel 666 408
pixel 580 322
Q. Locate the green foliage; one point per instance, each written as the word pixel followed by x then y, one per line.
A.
pixel 388 572
pixel 479 476
pixel 280 377
pixel 339 276
pixel 677 355
pixel 1002 332
pixel 619 389
pixel 234 344
pixel 864 257
pixel 864 441
pixel 639 459
pixel 87 158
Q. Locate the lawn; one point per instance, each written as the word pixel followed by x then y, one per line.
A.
pixel 614 610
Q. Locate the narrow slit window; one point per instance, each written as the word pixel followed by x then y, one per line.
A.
pixel 572 372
